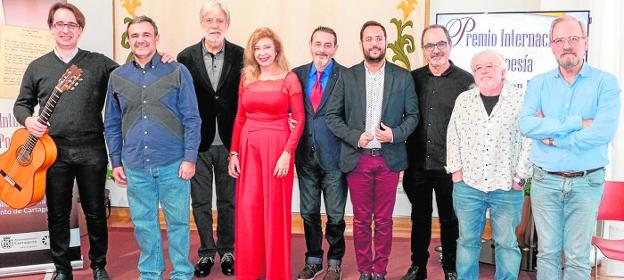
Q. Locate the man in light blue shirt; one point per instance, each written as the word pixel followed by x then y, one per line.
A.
pixel 572 112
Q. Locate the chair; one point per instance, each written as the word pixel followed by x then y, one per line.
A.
pixel 611 209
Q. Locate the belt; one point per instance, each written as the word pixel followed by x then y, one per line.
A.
pixel 374 152
pixel 574 174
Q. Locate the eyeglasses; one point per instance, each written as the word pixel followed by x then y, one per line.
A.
pixel 375 39
pixel 441 46
pixel 61 25
pixel 489 67
pixel 572 41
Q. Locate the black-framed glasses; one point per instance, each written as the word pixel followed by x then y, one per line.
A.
pixel 441 46
pixel 61 25
pixel 572 41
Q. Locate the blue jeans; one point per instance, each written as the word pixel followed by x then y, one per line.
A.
pixel 565 211
pixel 314 181
pixel 146 189
pixel 470 207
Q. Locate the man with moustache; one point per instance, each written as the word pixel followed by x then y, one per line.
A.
pixel 79 141
pixel 215 65
pixel 437 86
pixel 572 113
pixel 152 131
pixel 373 148
pixel 317 159
pixel 489 161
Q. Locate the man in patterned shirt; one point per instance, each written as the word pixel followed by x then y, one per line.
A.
pixel 489 161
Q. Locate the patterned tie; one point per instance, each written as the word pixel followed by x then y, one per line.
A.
pixel 317 91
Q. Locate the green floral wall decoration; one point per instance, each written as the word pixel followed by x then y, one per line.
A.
pixel 130 7
pixel 404 44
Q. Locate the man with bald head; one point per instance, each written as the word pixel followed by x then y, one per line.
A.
pixel 572 113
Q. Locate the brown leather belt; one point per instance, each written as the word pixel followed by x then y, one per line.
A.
pixel 374 152
pixel 574 174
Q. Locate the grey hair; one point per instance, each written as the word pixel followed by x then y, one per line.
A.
pixel 211 5
pixel 499 57
pixel 566 18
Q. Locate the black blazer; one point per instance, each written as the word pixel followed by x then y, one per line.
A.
pixel 346 114
pixel 316 133
pixel 221 104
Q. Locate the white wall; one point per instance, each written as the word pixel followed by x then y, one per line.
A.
pixel 98 32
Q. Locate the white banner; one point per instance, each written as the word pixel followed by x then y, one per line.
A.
pixel 521 37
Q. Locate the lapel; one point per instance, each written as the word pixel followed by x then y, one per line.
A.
pixel 197 58
pixel 227 65
pixel 388 80
pixel 329 86
pixel 360 86
pixel 303 79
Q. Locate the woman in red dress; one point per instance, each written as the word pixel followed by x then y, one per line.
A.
pixel 261 158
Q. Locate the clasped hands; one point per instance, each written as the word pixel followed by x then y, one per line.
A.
pixel 383 134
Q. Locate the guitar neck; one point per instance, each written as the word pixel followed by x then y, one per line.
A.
pixel 47 110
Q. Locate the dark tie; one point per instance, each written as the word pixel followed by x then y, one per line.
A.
pixel 317 91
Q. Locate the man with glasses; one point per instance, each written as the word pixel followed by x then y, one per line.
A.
pixel 372 109
pixel 79 141
pixel 215 64
pixel 572 113
pixel 437 86
pixel 489 161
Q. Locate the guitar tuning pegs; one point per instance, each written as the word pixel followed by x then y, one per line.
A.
pixel 76 84
pixel 80 79
pixel 72 88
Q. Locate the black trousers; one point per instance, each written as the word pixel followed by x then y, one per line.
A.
pixel 86 162
pixel 419 185
pixel 213 162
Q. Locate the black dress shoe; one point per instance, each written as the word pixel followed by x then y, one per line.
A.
pixel 63 275
pixel 227 264
pixel 414 273
pixel 99 273
pixel 450 275
pixel 203 266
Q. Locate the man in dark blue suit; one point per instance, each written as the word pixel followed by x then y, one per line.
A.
pixel 317 159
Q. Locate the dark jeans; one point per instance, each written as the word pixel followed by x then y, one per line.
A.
pixel 313 181
pixel 213 162
pixel 419 185
pixel 87 163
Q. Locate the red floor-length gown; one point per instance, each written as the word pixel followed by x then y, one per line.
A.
pixel 263 201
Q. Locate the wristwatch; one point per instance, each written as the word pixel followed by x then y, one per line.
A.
pixel 520 181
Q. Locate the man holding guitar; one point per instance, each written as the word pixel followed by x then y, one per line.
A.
pixel 77 129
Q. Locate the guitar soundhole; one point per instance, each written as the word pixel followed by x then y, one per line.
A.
pixel 23 156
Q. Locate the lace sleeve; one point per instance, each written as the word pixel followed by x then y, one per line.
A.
pixel 295 103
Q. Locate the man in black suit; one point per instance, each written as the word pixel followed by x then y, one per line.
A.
pixel 317 160
pixel 373 109
pixel 215 65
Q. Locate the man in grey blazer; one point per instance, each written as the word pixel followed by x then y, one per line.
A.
pixel 373 109
pixel 317 159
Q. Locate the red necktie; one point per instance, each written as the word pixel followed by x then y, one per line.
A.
pixel 317 91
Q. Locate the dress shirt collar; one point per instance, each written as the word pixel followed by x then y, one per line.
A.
pixel 585 71
pixel 153 63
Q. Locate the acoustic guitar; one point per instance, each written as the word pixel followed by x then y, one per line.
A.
pixel 23 166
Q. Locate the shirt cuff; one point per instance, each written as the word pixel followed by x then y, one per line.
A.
pixel 115 161
pixel 190 156
pixel 573 123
